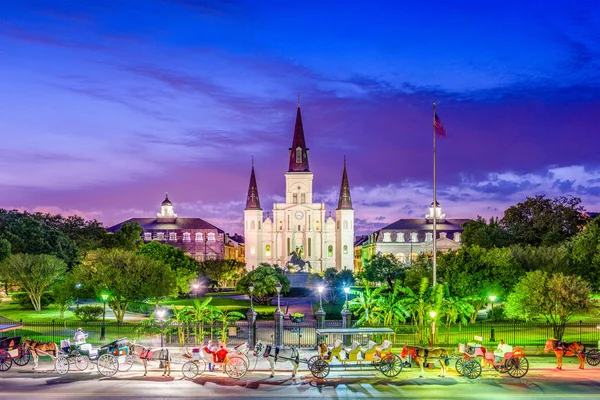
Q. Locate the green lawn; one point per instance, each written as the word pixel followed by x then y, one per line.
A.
pixel 13 311
pixel 223 303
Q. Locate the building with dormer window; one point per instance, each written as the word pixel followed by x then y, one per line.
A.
pixel 407 238
pixel 199 239
pixel 299 234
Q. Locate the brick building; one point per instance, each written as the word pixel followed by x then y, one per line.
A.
pixel 198 238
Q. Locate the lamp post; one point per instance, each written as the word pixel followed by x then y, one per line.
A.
pixel 278 288
pixel 278 334
pixel 320 312
pixel 492 299
pixel 196 286
pixel 77 286
pixel 103 329
pixel 160 313
pixel 320 289
pixel 251 289
pixel 347 291
pixel 432 314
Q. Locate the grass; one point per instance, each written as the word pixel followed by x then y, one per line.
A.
pixel 333 310
pixel 224 304
pixel 13 311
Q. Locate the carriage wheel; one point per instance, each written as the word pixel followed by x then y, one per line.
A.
pixel 251 365
pixel 24 356
pixel 319 368
pixel 460 365
pixel 517 367
pixel 236 367
pixel 108 365
pixel 311 361
pixel 82 362
pixel 61 365
pixel 5 360
pixel 593 357
pixel 472 369
pixel 390 365
pixel 127 363
pixel 501 368
pixel 190 370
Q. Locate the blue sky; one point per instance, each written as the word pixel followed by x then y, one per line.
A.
pixel 107 105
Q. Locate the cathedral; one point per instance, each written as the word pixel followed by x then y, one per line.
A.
pixel 300 235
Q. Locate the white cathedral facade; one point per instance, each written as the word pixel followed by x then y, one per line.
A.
pixel 300 234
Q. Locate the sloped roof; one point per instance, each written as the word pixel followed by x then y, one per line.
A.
pixel 179 223
pixel 417 224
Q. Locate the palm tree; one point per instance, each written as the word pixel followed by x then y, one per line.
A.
pixel 179 318
pixel 364 304
pixel 226 317
pixel 454 308
pixel 389 308
pixel 197 314
pixel 419 304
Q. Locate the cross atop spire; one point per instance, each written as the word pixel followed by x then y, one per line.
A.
pixel 252 201
pixel 298 151
pixel 345 200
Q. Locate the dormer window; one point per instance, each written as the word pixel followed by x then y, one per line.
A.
pixel 387 237
pixel 147 236
pixel 298 155
pixel 172 236
pixel 428 237
pixel 199 236
pixel 211 237
pixel 457 237
pixel 400 237
pixel 186 236
pixel 413 237
pixel 160 236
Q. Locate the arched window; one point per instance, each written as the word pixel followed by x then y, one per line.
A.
pixel 413 237
pixel 400 237
pixel 428 237
pixel 199 237
pixel 268 250
pixel 401 257
pixel 309 250
pixel 345 249
pixel 210 236
pixel 252 225
pixel 186 236
pixel 252 250
pixel 211 256
pixel 387 237
pixel 345 224
pixel 330 251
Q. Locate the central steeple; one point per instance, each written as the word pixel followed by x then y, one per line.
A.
pixel 298 151
pixel 252 201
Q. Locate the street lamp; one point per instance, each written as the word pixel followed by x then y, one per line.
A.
pixel 251 289
pixel 492 299
pixel 160 313
pixel 278 288
pixel 346 290
pixel 103 329
pixel 432 314
pixel 320 289
pixel 196 286
pixel 78 286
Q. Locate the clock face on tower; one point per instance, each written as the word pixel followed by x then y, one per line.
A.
pixel 299 214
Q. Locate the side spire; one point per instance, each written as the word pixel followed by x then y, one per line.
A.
pixel 298 151
pixel 345 200
pixel 252 201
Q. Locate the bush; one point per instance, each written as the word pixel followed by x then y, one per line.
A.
pixel 23 300
pixel 141 308
pixel 89 313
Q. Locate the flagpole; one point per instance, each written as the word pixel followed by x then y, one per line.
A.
pixel 434 205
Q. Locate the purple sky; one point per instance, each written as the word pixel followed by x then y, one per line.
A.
pixel 103 108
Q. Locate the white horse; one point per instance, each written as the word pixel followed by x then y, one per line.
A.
pixel 158 354
pixel 278 355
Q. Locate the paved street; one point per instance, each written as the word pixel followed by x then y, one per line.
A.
pixel 543 381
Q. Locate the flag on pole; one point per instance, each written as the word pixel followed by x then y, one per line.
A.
pixel 439 128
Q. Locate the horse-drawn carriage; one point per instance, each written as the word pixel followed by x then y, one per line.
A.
pixel 234 363
pixel 380 358
pixel 11 349
pixel 504 360
pixel 109 358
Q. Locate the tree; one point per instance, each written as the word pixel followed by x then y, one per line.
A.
pixel 184 267
pixel 420 303
pixel 484 234
pixel 364 303
pixel 63 293
pixel 125 276
pixel 454 308
pixel 539 220
pixel 557 298
pixel 334 280
pixel 28 235
pixel 34 273
pixel 476 273
pixel 127 237
pixel 264 278
pixel 383 268
pixel 226 317
pixel 584 253
pixel 222 272
pixel 546 258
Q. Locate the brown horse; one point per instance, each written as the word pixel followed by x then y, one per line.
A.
pixel 37 349
pixel 421 354
pixel 562 349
